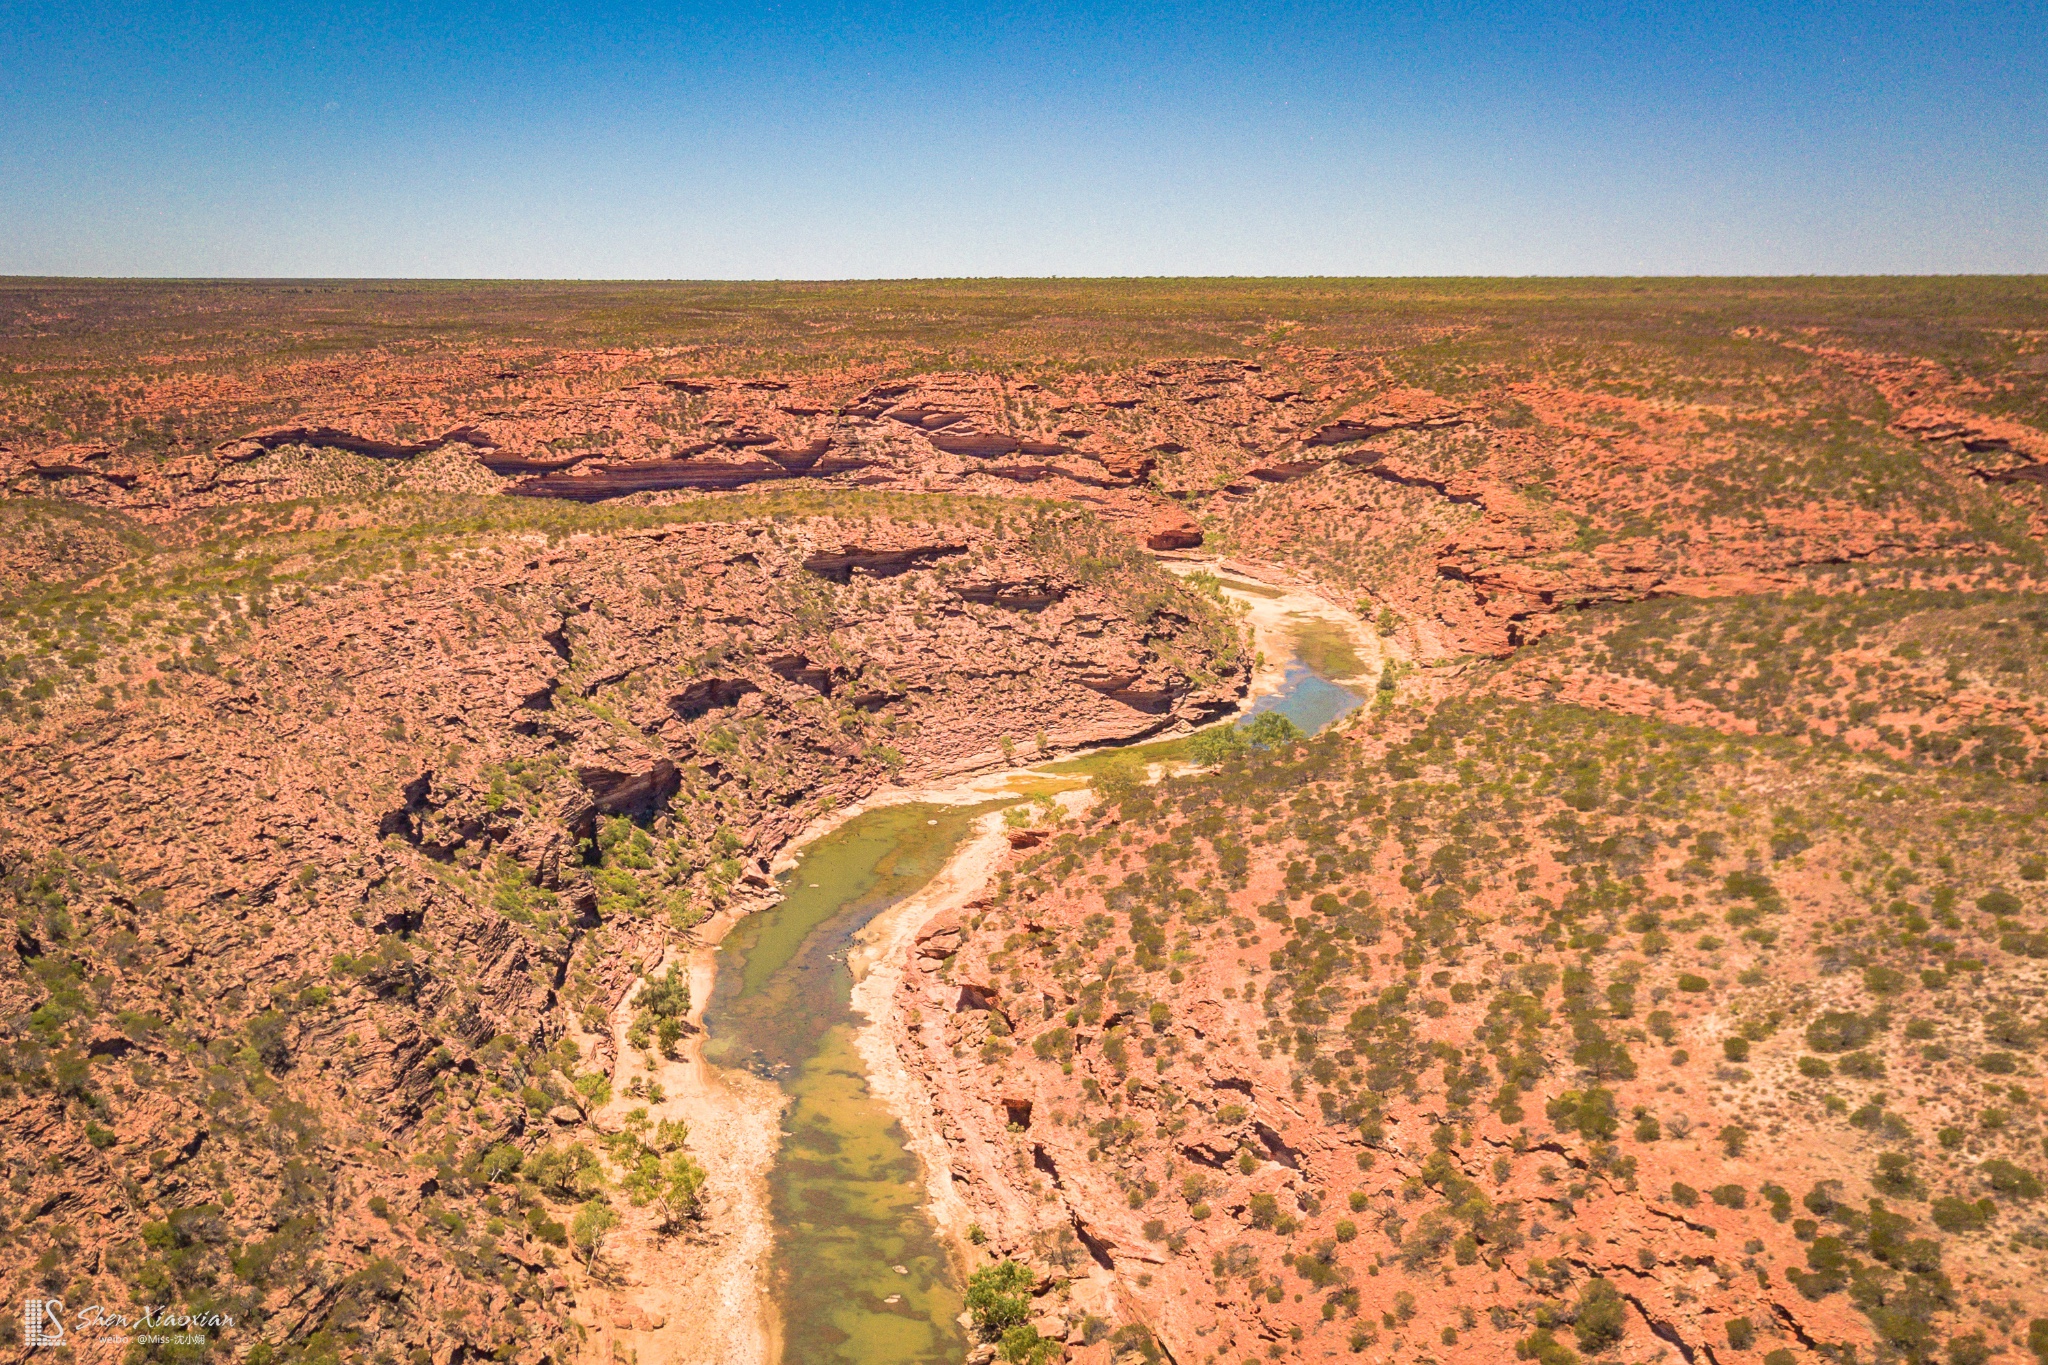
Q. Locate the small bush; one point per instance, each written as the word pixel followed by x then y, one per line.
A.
pixel 1999 901
pixel 1840 1031
pixel 1969 1349
pixel 2015 1181
pixel 1022 1345
pixel 1545 1349
pixel 1598 1320
pixel 1895 1176
pixel 1951 1214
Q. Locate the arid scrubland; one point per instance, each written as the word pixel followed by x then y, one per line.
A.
pixel 392 675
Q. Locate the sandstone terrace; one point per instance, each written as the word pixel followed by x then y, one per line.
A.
pixel 197 583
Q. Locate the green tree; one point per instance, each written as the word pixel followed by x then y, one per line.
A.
pixel 569 1172
pixel 999 1297
pixel 588 1228
pixel 682 1187
pixel 662 1011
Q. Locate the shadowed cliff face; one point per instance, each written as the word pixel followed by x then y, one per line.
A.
pixel 327 867
pixel 1476 477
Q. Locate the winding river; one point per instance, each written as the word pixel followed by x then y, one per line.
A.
pixel 860 1275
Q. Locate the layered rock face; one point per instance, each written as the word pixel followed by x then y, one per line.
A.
pixel 1479 517
pixel 582 431
pixel 1475 464
pixel 327 868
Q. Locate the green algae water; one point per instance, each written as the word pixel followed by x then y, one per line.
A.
pixel 847 1198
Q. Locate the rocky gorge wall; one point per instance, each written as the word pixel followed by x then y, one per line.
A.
pixel 320 872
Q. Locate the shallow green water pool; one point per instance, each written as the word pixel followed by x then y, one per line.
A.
pixel 846 1197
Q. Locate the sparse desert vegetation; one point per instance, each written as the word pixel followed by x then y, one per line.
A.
pixel 403 686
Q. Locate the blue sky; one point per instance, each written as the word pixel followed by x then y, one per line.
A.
pixel 860 140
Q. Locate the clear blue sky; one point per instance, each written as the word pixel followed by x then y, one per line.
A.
pixel 805 140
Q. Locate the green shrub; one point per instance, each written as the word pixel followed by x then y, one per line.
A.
pixel 1741 1333
pixel 1318 1269
pixel 1545 1349
pixel 591 1223
pixel 661 1011
pixel 1592 1112
pixel 998 1298
pixel 1692 984
pixel 1969 1349
pixel 1895 1176
pixel 1053 1043
pixel 2015 1181
pixel 570 1172
pixel 1598 1320
pixel 1815 1068
pixel 1999 901
pixel 1839 1031
pixel 1951 1214
pixel 1021 1345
